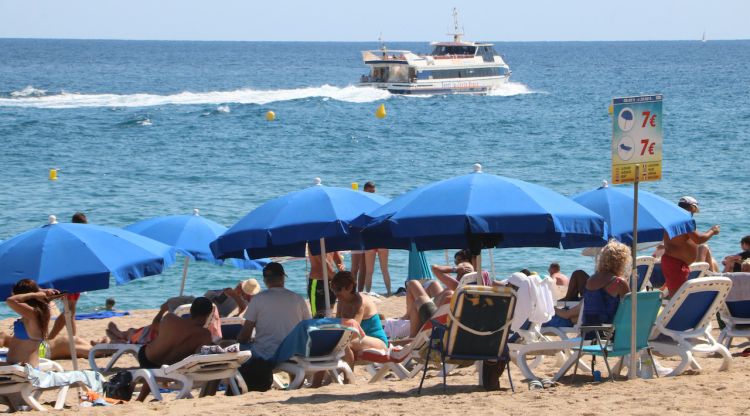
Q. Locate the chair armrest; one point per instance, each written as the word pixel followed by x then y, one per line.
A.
pixel 590 328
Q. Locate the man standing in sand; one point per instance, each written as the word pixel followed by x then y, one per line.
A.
pixel 177 338
pixel 315 287
pixel 273 314
pixel 682 250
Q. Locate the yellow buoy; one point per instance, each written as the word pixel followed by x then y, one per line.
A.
pixel 270 116
pixel 355 186
pixel 380 112
pixel 53 174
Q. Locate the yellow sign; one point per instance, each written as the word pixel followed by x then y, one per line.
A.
pixel 637 138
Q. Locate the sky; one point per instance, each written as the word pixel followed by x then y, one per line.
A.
pixel 397 20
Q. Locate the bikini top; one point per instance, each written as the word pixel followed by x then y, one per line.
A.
pixel 19 331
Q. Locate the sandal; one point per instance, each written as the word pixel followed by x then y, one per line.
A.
pixel 536 385
pixel 548 383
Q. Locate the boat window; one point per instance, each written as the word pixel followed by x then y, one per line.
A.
pixel 444 50
pixel 461 73
pixel 488 54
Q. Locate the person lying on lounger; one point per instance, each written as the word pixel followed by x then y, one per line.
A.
pixel 177 338
pixel 422 303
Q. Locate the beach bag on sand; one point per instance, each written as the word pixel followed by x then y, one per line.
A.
pixel 491 372
pixel 120 386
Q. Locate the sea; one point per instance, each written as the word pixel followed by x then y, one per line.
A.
pixel 139 129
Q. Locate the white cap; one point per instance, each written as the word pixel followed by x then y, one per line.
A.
pixel 196 211
pixel 317 181
pixel 52 219
pixel 689 200
pixel 477 167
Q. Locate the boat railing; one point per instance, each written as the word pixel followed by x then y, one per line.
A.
pixel 465 56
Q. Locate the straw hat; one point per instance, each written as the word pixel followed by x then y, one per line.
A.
pixel 250 287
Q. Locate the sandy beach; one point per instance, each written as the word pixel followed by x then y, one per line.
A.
pixel 708 392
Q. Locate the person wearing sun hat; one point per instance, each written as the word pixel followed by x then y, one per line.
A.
pixel 233 301
pixel 684 249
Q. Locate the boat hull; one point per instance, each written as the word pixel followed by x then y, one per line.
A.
pixel 443 86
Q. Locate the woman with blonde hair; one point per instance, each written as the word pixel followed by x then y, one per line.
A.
pixel 608 285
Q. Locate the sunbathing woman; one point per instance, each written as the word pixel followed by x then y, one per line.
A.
pixel 32 303
pixel 360 307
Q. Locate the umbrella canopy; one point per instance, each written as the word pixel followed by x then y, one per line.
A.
pixel 483 209
pixel 191 235
pixel 283 226
pixel 656 215
pixel 79 257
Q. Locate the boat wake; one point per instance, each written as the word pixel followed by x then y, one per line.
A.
pixel 510 89
pixel 30 97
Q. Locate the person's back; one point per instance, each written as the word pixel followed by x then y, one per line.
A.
pixel 600 305
pixel 275 311
pixel 179 337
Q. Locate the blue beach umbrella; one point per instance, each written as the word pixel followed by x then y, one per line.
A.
pixel 191 236
pixel 418 267
pixel 79 257
pixel 479 210
pixel 284 226
pixel 656 215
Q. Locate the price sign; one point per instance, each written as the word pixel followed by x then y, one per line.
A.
pixel 636 138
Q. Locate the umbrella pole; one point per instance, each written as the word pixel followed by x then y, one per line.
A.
pixel 184 274
pixel 324 262
pixel 634 280
pixel 479 263
pixel 492 264
pixel 71 337
pixel 69 329
pixel 447 258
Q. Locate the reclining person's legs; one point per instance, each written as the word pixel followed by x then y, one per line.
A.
pixel 422 307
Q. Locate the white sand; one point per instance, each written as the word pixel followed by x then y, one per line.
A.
pixel 710 392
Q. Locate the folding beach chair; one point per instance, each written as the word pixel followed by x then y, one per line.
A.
pixel 326 345
pixel 477 328
pixel 644 266
pixel 617 343
pixel 735 312
pixel 17 390
pixel 684 325
pixel 698 269
pixel 194 372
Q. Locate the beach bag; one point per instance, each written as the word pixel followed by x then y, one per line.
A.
pixel 120 386
pixel 491 372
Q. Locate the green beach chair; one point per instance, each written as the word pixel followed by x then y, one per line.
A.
pixel 617 344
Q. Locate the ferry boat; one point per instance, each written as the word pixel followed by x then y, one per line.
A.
pixel 451 67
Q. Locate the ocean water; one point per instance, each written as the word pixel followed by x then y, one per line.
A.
pixel 141 129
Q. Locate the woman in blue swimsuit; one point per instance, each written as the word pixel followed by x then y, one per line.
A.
pixel 360 307
pixel 32 303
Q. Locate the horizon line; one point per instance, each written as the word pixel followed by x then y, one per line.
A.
pixel 363 41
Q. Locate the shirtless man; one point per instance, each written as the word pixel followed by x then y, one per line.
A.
pixel 177 338
pixel 555 273
pixel 315 289
pixel 682 250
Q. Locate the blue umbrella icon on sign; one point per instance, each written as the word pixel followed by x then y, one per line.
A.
pixel 625 119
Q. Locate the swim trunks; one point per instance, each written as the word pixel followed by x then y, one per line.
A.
pixel 316 294
pixel 675 273
pixel 143 361
pixel 73 296
pixel 426 311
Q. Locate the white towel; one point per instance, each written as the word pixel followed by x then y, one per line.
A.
pixel 740 287
pixel 524 300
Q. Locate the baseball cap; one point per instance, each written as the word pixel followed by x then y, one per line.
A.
pixel 250 287
pixel 273 269
pixel 689 200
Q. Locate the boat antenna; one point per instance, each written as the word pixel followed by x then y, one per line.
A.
pixel 382 44
pixel 456 33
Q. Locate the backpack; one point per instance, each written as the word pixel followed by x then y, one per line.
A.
pixel 120 386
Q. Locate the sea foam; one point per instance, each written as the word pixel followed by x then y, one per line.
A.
pixel 243 96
